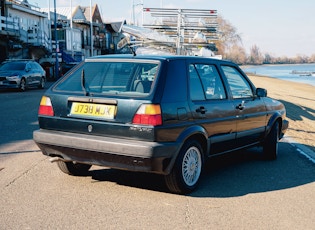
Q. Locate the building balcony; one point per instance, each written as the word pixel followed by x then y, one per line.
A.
pixel 33 36
pixel 9 26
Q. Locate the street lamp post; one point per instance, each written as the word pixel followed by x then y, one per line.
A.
pixel 133 11
pixel 49 20
pixel 71 29
pixel 91 25
pixel 56 43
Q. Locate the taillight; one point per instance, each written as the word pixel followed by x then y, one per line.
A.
pixel 148 114
pixel 45 107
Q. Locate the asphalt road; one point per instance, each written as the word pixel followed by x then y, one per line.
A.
pixel 237 191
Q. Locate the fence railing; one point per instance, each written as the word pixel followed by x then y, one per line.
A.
pixel 38 38
pixel 34 36
pixel 10 25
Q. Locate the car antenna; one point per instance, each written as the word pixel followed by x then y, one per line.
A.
pixel 132 50
pixel 83 83
pixel 126 42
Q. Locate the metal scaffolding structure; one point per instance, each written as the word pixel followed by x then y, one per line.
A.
pixel 190 28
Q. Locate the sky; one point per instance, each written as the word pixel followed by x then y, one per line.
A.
pixel 278 27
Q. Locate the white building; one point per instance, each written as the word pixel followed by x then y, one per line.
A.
pixel 24 31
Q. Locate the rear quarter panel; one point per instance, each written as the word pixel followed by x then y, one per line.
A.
pixel 175 109
pixel 275 110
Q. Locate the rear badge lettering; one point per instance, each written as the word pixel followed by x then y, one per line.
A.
pixel 141 129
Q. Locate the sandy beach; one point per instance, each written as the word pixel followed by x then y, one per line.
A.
pixel 299 100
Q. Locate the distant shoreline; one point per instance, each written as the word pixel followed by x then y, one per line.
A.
pixel 284 64
pixel 288 72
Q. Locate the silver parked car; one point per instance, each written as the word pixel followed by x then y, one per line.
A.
pixel 21 74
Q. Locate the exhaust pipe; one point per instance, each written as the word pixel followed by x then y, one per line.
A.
pixel 56 159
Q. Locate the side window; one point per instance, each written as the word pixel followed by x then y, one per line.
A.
pixel 34 66
pixel 28 66
pixel 196 89
pixel 205 81
pixel 37 66
pixel 239 86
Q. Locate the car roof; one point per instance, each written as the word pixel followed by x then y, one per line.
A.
pixel 157 57
pixel 19 60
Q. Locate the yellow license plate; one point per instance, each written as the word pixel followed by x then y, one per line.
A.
pixel 93 110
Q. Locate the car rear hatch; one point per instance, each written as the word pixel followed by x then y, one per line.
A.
pixel 105 97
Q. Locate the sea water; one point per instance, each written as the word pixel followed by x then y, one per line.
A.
pixel 297 73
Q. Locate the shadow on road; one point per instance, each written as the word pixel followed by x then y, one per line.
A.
pixel 236 174
pixel 246 172
pixel 297 112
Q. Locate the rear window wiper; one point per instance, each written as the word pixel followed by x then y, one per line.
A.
pixel 85 89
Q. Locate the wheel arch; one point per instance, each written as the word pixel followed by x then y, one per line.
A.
pixel 23 78
pixel 198 133
pixel 192 133
pixel 42 82
pixel 25 81
pixel 273 119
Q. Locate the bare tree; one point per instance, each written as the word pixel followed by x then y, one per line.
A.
pixel 237 54
pixel 228 36
pixel 268 58
pixel 301 59
pixel 312 59
pixel 255 56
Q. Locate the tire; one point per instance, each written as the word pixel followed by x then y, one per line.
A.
pixel 184 177
pixel 270 146
pixel 42 83
pixel 23 84
pixel 71 168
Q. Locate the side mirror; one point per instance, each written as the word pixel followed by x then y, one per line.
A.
pixel 260 92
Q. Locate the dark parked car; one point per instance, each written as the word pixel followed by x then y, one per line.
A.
pixel 21 74
pixel 158 114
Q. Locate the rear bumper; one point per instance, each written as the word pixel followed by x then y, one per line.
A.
pixel 107 151
pixel 285 126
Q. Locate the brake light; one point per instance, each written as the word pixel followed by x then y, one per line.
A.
pixel 45 107
pixel 148 114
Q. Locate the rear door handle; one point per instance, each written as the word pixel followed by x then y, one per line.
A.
pixel 241 106
pixel 201 110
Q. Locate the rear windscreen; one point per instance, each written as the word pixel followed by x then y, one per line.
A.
pixel 135 78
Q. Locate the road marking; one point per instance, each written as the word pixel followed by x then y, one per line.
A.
pixel 302 149
pixel 21 151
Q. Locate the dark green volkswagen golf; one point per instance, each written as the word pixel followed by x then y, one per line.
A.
pixel 156 114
